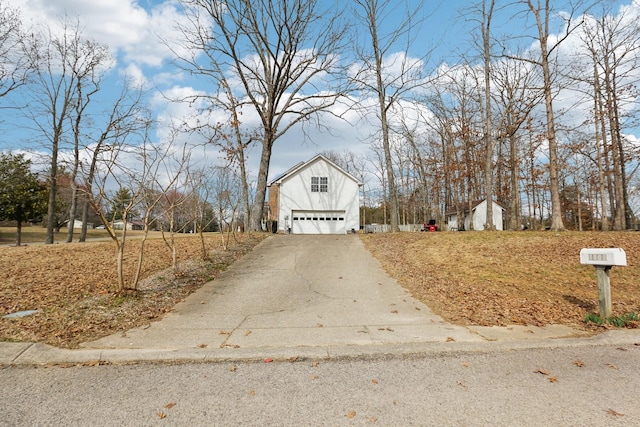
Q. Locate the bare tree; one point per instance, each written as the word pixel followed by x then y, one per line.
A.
pixel 542 13
pixel 121 121
pixel 15 67
pixel 515 96
pixel 63 62
pixel 115 174
pixel 224 189
pixel 166 164
pixel 199 184
pixel 612 44
pixel 141 179
pixel 487 124
pixel 277 52
pixel 374 74
pixel 90 58
pixel 230 135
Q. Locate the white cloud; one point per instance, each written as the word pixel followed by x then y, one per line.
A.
pixel 134 75
pixel 124 25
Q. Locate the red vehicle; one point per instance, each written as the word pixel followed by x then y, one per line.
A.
pixel 430 226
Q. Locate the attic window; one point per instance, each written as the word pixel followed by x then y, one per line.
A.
pixel 319 184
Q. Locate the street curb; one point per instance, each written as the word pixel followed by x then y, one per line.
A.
pixel 37 354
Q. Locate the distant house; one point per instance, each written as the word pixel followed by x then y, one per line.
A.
pixel 460 218
pixel 315 197
pixel 78 224
pixel 131 225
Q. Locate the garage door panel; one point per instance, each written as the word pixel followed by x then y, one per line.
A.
pixel 318 222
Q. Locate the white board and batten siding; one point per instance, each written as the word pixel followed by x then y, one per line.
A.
pixel 479 217
pixel 331 208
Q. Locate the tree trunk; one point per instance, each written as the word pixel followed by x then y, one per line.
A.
pixel 85 218
pixel 554 185
pixel 393 195
pixel 487 122
pixel 515 190
pixel 599 114
pixel 619 219
pixel 19 233
pixel 73 208
pixel 261 185
pixel 53 187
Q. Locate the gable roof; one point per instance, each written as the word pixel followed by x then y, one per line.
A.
pixel 297 168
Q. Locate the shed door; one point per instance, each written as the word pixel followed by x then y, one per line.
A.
pixel 318 222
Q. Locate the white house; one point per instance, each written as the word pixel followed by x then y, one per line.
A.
pixel 315 197
pixel 478 215
pixel 131 225
pixel 77 223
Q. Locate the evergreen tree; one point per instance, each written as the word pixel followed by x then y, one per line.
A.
pixel 23 198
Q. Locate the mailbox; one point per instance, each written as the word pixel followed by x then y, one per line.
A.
pixel 603 257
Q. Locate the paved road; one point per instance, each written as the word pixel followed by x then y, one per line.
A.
pixel 545 387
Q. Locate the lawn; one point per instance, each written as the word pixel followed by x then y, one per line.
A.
pixel 37 234
pixel 503 278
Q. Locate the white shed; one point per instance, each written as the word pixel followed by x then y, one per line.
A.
pixel 478 216
pixel 315 197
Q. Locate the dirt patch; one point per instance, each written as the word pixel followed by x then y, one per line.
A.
pixel 503 278
pixel 73 286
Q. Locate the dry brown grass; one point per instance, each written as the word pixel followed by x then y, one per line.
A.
pixel 501 278
pixel 73 286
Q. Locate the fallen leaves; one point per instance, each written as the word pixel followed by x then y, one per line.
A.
pixel 614 413
pixel 87 307
pixel 530 279
pixel 161 414
pixel 229 345
pixel 552 379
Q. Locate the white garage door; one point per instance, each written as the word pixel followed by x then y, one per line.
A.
pixel 318 222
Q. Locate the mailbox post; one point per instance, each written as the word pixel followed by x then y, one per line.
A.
pixel 603 259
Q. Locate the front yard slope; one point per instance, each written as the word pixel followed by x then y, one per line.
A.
pixel 73 286
pixel 504 278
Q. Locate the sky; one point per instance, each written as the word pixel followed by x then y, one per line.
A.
pixel 134 30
